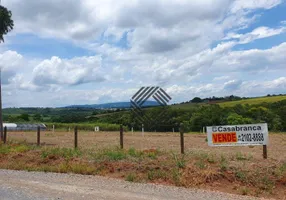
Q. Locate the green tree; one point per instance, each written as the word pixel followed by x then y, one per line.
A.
pixel 5 118
pixel 25 117
pixel 6 22
pixel 277 124
pixel 261 114
pixel 38 117
pixel 282 114
pixel 13 119
pixel 235 119
pixel 6 25
pixel 208 116
pixel 196 100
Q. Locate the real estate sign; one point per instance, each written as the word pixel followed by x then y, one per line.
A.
pixel 238 135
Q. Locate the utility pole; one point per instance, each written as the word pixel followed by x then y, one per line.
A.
pixel 1 120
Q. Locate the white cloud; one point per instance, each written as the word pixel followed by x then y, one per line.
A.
pixel 52 19
pixel 232 85
pixel 221 78
pixel 252 60
pixel 258 33
pixel 184 46
pixel 18 82
pixel 238 87
pixel 10 60
pixel 256 88
pixel 68 72
pixel 254 4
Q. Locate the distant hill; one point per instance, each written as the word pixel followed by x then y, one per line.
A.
pixel 256 100
pixel 116 105
pixel 225 103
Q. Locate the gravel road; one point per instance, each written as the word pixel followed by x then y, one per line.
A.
pixel 20 185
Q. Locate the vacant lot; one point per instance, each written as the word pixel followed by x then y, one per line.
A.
pixel 162 141
pixel 154 158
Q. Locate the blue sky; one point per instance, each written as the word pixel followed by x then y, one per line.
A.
pixel 90 52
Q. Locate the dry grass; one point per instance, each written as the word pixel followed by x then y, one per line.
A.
pixel 155 158
pixel 162 141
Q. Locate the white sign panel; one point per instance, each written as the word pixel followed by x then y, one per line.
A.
pixel 238 135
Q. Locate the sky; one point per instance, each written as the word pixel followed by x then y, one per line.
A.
pixel 66 52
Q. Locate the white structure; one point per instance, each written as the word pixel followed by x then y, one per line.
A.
pixel 10 125
pixel 24 127
pixel 96 129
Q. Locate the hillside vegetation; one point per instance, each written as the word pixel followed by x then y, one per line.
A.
pixel 252 101
pixel 230 103
pixel 195 116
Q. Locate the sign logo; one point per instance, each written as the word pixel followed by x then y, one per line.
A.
pixel 141 97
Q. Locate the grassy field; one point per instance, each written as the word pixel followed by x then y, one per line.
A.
pixel 154 158
pixel 251 101
pixel 258 100
pixel 186 106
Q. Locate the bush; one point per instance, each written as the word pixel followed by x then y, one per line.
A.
pixel 235 119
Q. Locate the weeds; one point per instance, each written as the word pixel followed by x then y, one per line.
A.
pixel 115 155
pixel 211 159
pixel 267 184
pixel 81 168
pixel 176 177
pixel 133 153
pixel 20 149
pixel 244 191
pixel 130 177
pixel 240 175
pixel 60 152
pixel 152 153
pixel 156 174
pixel 4 149
pixel 179 160
pixel 283 168
pixel 15 148
pixel 223 163
pixel 200 164
pixel 240 156
pixel 149 165
pixel 108 155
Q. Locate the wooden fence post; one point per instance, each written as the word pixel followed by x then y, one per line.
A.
pixel 75 137
pixel 265 151
pixel 38 136
pixel 5 135
pixel 182 138
pixel 121 136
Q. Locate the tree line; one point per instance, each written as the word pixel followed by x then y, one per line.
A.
pixel 194 118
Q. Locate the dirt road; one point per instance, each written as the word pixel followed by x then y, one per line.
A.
pixel 38 185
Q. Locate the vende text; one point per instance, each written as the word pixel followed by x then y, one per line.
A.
pixel 224 137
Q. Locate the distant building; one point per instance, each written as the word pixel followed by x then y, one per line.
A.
pixel 24 127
